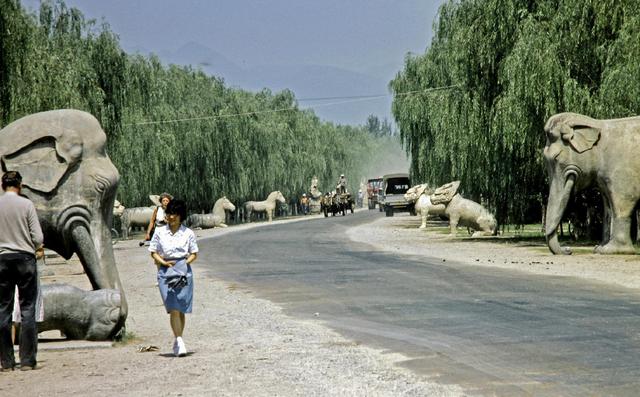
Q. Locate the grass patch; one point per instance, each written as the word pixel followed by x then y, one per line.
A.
pixel 126 338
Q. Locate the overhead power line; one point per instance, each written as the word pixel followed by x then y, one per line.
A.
pixel 346 99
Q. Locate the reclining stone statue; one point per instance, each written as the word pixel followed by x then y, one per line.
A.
pixel 216 218
pixel 446 201
pixel 72 183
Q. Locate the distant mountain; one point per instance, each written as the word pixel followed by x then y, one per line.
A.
pixel 305 81
pixel 203 57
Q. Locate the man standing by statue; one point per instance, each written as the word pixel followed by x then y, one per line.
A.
pixel 342 185
pixel 20 243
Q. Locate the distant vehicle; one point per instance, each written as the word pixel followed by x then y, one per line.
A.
pixel 374 187
pixel 392 200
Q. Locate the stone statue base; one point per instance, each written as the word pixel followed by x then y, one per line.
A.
pixel 314 206
pixel 80 314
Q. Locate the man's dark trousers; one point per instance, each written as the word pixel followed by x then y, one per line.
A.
pixel 18 269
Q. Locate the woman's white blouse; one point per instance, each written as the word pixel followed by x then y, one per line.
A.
pixel 173 246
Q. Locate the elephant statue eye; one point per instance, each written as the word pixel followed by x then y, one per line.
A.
pixel 104 183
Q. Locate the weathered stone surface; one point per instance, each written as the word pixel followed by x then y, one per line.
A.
pixel 581 152
pixel 268 206
pixel 72 183
pixel 449 203
pixel 315 199
pixel 214 219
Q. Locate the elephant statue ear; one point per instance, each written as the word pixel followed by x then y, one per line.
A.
pixel 583 138
pixel 42 148
pixel 579 131
pixel 155 199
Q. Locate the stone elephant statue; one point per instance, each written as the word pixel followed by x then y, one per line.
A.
pixel 581 152
pixel 72 183
pixel 446 201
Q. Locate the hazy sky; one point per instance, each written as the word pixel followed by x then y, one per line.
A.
pixel 370 37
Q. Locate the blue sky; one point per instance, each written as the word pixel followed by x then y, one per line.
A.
pixel 317 48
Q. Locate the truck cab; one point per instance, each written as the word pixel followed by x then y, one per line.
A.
pixel 392 200
pixel 374 186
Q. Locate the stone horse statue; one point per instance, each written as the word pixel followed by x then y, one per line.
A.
pixel 268 205
pixel 446 201
pixel 215 219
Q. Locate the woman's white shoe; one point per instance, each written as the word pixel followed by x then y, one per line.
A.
pixel 182 349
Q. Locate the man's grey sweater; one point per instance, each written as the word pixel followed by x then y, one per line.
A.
pixel 20 229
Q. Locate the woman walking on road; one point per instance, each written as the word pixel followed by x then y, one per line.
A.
pixel 173 249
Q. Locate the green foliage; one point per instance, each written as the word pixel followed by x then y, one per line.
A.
pixel 377 128
pixel 510 65
pixel 172 128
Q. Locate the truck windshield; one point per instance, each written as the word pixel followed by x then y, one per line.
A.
pixel 397 185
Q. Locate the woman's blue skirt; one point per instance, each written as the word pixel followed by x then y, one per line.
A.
pixel 180 298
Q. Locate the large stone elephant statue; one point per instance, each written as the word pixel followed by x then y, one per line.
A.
pixel 581 152
pixel 72 183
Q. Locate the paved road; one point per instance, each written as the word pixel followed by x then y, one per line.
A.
pixel 492 331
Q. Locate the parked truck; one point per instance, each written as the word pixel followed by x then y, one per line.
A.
pixel 391 199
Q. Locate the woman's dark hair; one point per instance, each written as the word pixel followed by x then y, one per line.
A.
pixel 11 179
pixel 177 207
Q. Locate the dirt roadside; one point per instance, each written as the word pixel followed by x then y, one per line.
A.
pixel 240 346
pixel 401 233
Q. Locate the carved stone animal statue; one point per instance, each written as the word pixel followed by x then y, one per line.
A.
pixel 446 201
pixel 72 183
pixel 315 199
pixel 118 208
pixel 419 195
pixel 268 206
pixel 135 217
pixel 581 152
pixel 90 310
pixel 215 219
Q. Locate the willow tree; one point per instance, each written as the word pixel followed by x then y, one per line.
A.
pixel 170 127
pixel 473 106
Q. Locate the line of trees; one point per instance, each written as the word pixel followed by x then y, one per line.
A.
pixel 511 64
pixel 235 143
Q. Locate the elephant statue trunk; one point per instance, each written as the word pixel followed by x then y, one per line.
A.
pixel 73 223
pixel 558 198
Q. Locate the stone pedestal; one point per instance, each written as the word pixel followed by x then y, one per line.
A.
pixel 314 205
